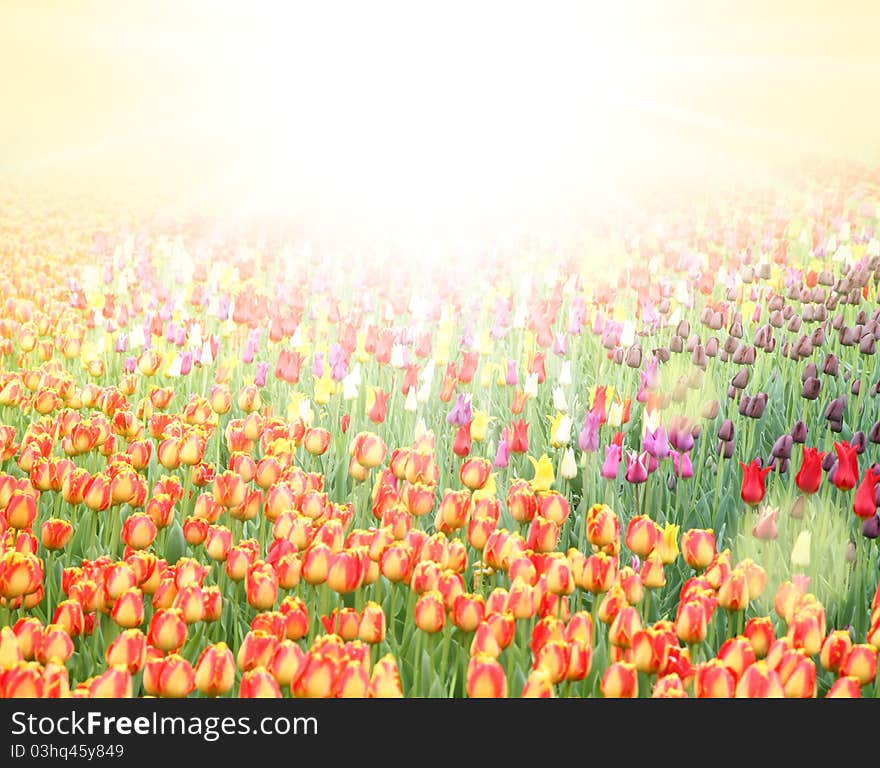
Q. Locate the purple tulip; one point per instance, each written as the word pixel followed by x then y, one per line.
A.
pixel 655 443
pixel 318 365
pixel 588 439
pixel 636 467
pixel 461 414
pixel 682 464
pixel 612 461
pixel 338 364
pixel 262 372
pixel 501 455
pixel 560 344
pixel 511 374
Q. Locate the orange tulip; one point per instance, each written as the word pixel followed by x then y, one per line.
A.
pixel 620 681
pixel 430 612
pixel 759 681
pixel 385 679
pixel 261 585
pixel 346 570
pixel 468 611
pixel 372 624
pixel 24 680
pixel 625 625
pixel 691 624
pixel 21 509
pixel 368 450
pixel 860 662
pixel 650 649
pixel 128 649
pixel 698 547
pixel 229 489
pixel 175 677
pixel 128 609
pixel 485 678
pixel 669 687
pixel 474 473
pixel 114 683
pixel 167 630
pixel 215 670
pixel 69 614
pixel 28 633
pixel 714 680
pixel 600 573
pixel 296 617
pixel 845 688
pixel 316 440
pixel 834 649
pixel 760 633
pixel 20 574
pixel 642 535
pixel 55 533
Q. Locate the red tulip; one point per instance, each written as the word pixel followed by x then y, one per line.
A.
pixel 519 437
pixel 752 490
pixel 864 505
pixel 810 474
pixel 846 472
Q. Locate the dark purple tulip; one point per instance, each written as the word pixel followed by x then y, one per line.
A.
pixel 725 431
pixel 810 372
pixel 726 448
pixel 741 378
pixel 856 387
pixel 810 390
pixel 834 409
pixel 799 432
pixel 859 441
pixel 874 432
pixel 829 460
pixel 782 447
pixel 871 527
pixel 831 365
pixel 634 356
pixel 757 406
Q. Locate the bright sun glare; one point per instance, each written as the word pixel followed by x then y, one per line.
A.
pixel 416 113
pixel 410 119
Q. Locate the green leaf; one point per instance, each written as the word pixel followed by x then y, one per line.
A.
pixel 175 544
pixel 427 669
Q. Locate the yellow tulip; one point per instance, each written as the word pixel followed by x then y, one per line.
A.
pixel 800 553
pixel 323 389
pixel 668 546
pixel 543 479
pixel 488 491
pixel 615 414
pixel 479 426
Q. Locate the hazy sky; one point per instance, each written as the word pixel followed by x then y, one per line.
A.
pixel 393 107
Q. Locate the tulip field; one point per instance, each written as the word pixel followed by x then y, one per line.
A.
pixel 639 462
